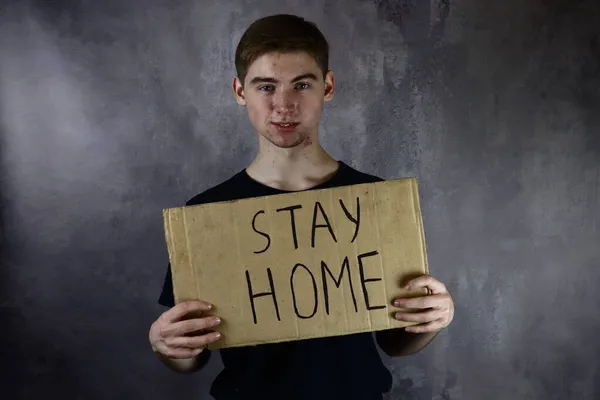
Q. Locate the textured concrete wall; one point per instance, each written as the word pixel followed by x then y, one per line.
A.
pixel 113 110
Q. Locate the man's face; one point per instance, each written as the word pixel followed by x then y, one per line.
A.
pixel 284 93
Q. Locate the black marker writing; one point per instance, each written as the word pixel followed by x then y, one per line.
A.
pixel 355 220
pixel 294 292
pixel 255 295
pixel 315 226
pixel 260 233
pixel 364 281
pixel 293 221
pixel 337 282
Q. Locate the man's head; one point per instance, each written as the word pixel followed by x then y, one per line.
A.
pixel 283 77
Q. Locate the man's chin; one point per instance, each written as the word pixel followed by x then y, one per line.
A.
pixel 286 143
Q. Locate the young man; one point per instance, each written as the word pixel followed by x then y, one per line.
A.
pixel 283 79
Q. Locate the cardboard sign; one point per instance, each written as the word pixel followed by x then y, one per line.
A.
pixel 299 265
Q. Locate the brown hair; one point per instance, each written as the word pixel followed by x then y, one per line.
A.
pixel 283 33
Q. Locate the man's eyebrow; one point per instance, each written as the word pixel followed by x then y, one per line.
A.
pixel 265 79
pixel 310 75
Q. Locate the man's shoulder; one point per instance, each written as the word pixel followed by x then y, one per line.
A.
pixel 223 191
pixel 355 176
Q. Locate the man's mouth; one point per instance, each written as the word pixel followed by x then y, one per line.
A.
pixel 286 127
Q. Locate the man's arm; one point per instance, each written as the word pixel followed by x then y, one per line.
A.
pixel 179 337
pixel 435 312
pixel 185 365
pixel 398 342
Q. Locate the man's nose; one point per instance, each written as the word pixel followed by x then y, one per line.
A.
pixel 284 102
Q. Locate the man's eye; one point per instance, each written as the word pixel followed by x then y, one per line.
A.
pixel 266 88
pixel 302 86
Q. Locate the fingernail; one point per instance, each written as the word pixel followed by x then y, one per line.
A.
pixel 217 321
pixel 218 335
pixel 397 303
pixel 398 316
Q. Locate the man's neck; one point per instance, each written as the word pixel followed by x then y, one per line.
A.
pixel 299 168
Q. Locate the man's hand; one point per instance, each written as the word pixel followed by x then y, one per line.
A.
pixel 438 307
pixel 177 335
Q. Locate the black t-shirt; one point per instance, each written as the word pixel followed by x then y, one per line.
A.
pixel 341 367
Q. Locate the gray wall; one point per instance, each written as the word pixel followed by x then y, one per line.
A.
pixel 113 110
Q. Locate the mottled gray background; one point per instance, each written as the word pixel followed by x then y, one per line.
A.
pixel 113 110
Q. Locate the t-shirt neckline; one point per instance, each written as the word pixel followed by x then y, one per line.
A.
pixel 333 178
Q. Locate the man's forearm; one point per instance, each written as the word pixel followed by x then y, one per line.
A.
pixel 185 365
pixel 398 342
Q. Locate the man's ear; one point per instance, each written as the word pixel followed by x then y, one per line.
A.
pixel 329 85
pixel 238 91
